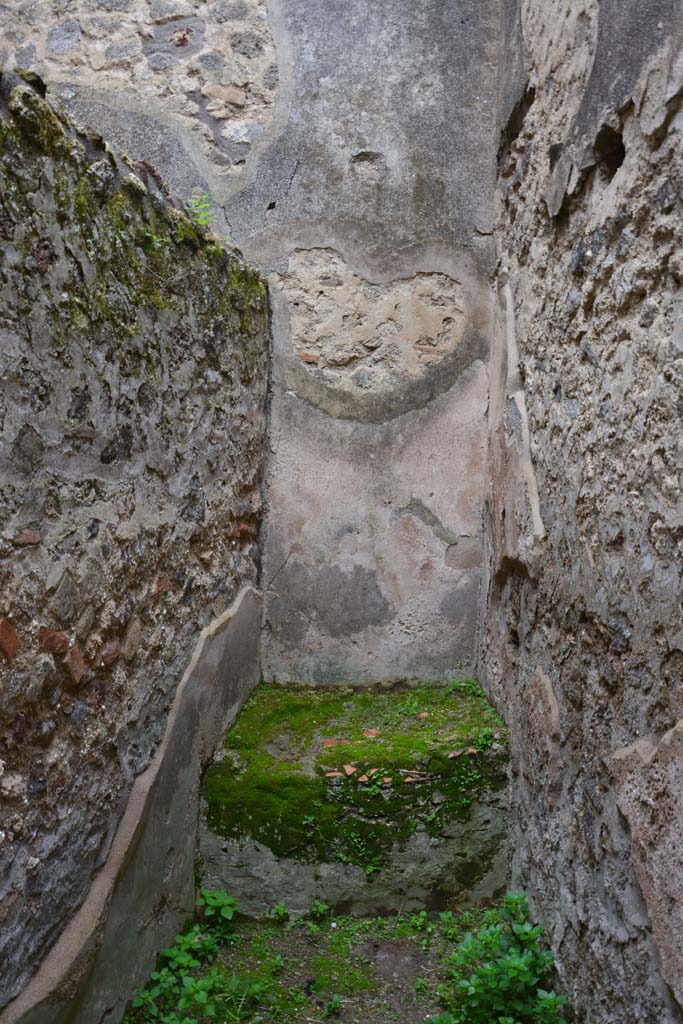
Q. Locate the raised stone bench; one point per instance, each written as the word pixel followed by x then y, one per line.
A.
pixel 373 802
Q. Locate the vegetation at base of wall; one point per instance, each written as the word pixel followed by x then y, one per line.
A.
pixel 500 972
pixel 345 775
pixel 466 964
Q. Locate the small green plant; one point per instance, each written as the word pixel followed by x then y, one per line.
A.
pixel 421 986
pixel 483 738
pixel 319 910
pixel 154 241
pixel 449 925
pixel 217 902
pixel 174 984
pixel 333 1006
pixel 500 973
pixel 218 910
pixel 421 923
pixel 280 912
pixel 201 212
pixel 277 963
pixel 469 687
pixel 418 922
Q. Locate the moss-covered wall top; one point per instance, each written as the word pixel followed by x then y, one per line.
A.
pixel 132 359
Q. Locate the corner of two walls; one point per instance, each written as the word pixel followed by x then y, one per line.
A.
pixel 318 169
pixel 581 643
pixel 394 269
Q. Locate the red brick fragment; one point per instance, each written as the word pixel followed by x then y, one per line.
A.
pixel 110 652
pixel 52 640
pixel 9 639
pixel 333 743
pixel 75 663
pixel 24 538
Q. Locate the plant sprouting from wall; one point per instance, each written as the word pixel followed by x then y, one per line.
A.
pixel 200 210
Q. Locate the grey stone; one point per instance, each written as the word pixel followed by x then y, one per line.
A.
pixel 66 600
pixel 121 52
pixel 63 37
pixel 28 449
pixel 468 863
pixel 174 41
pixel 574 572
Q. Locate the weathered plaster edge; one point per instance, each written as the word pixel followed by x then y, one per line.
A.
pixel 77 944
pixel 515 390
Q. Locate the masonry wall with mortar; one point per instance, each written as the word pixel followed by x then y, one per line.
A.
pixel 132 355
pixel 210 66
pixel 370 171
pixel 583 643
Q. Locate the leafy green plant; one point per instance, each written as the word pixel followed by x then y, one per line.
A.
pixel 280 912
pixel 500 973
pixel 319 910
pixel 277 964
pixel 333 1006
pixel 483 738
pixel 449 925
pixel 218 905
pixel 201 212
pixel 418 922
pixel 421 986
pixel 239 998
pixel 421 923
pixel 470 687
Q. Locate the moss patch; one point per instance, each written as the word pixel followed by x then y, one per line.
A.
pixel 345 775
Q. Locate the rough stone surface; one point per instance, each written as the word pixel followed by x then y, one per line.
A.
pixel 356 507
pixel 424 872
pixel 382 163
pixel 208 67
pixel 583 644
pixel 132 357
pixel 377 168
pixel 145 891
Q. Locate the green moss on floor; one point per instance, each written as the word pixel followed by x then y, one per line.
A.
pixel 345 775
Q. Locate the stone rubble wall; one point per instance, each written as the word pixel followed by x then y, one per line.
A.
pixel 582 644
pixel 132 413
pixel 146 890
pixel 210 66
